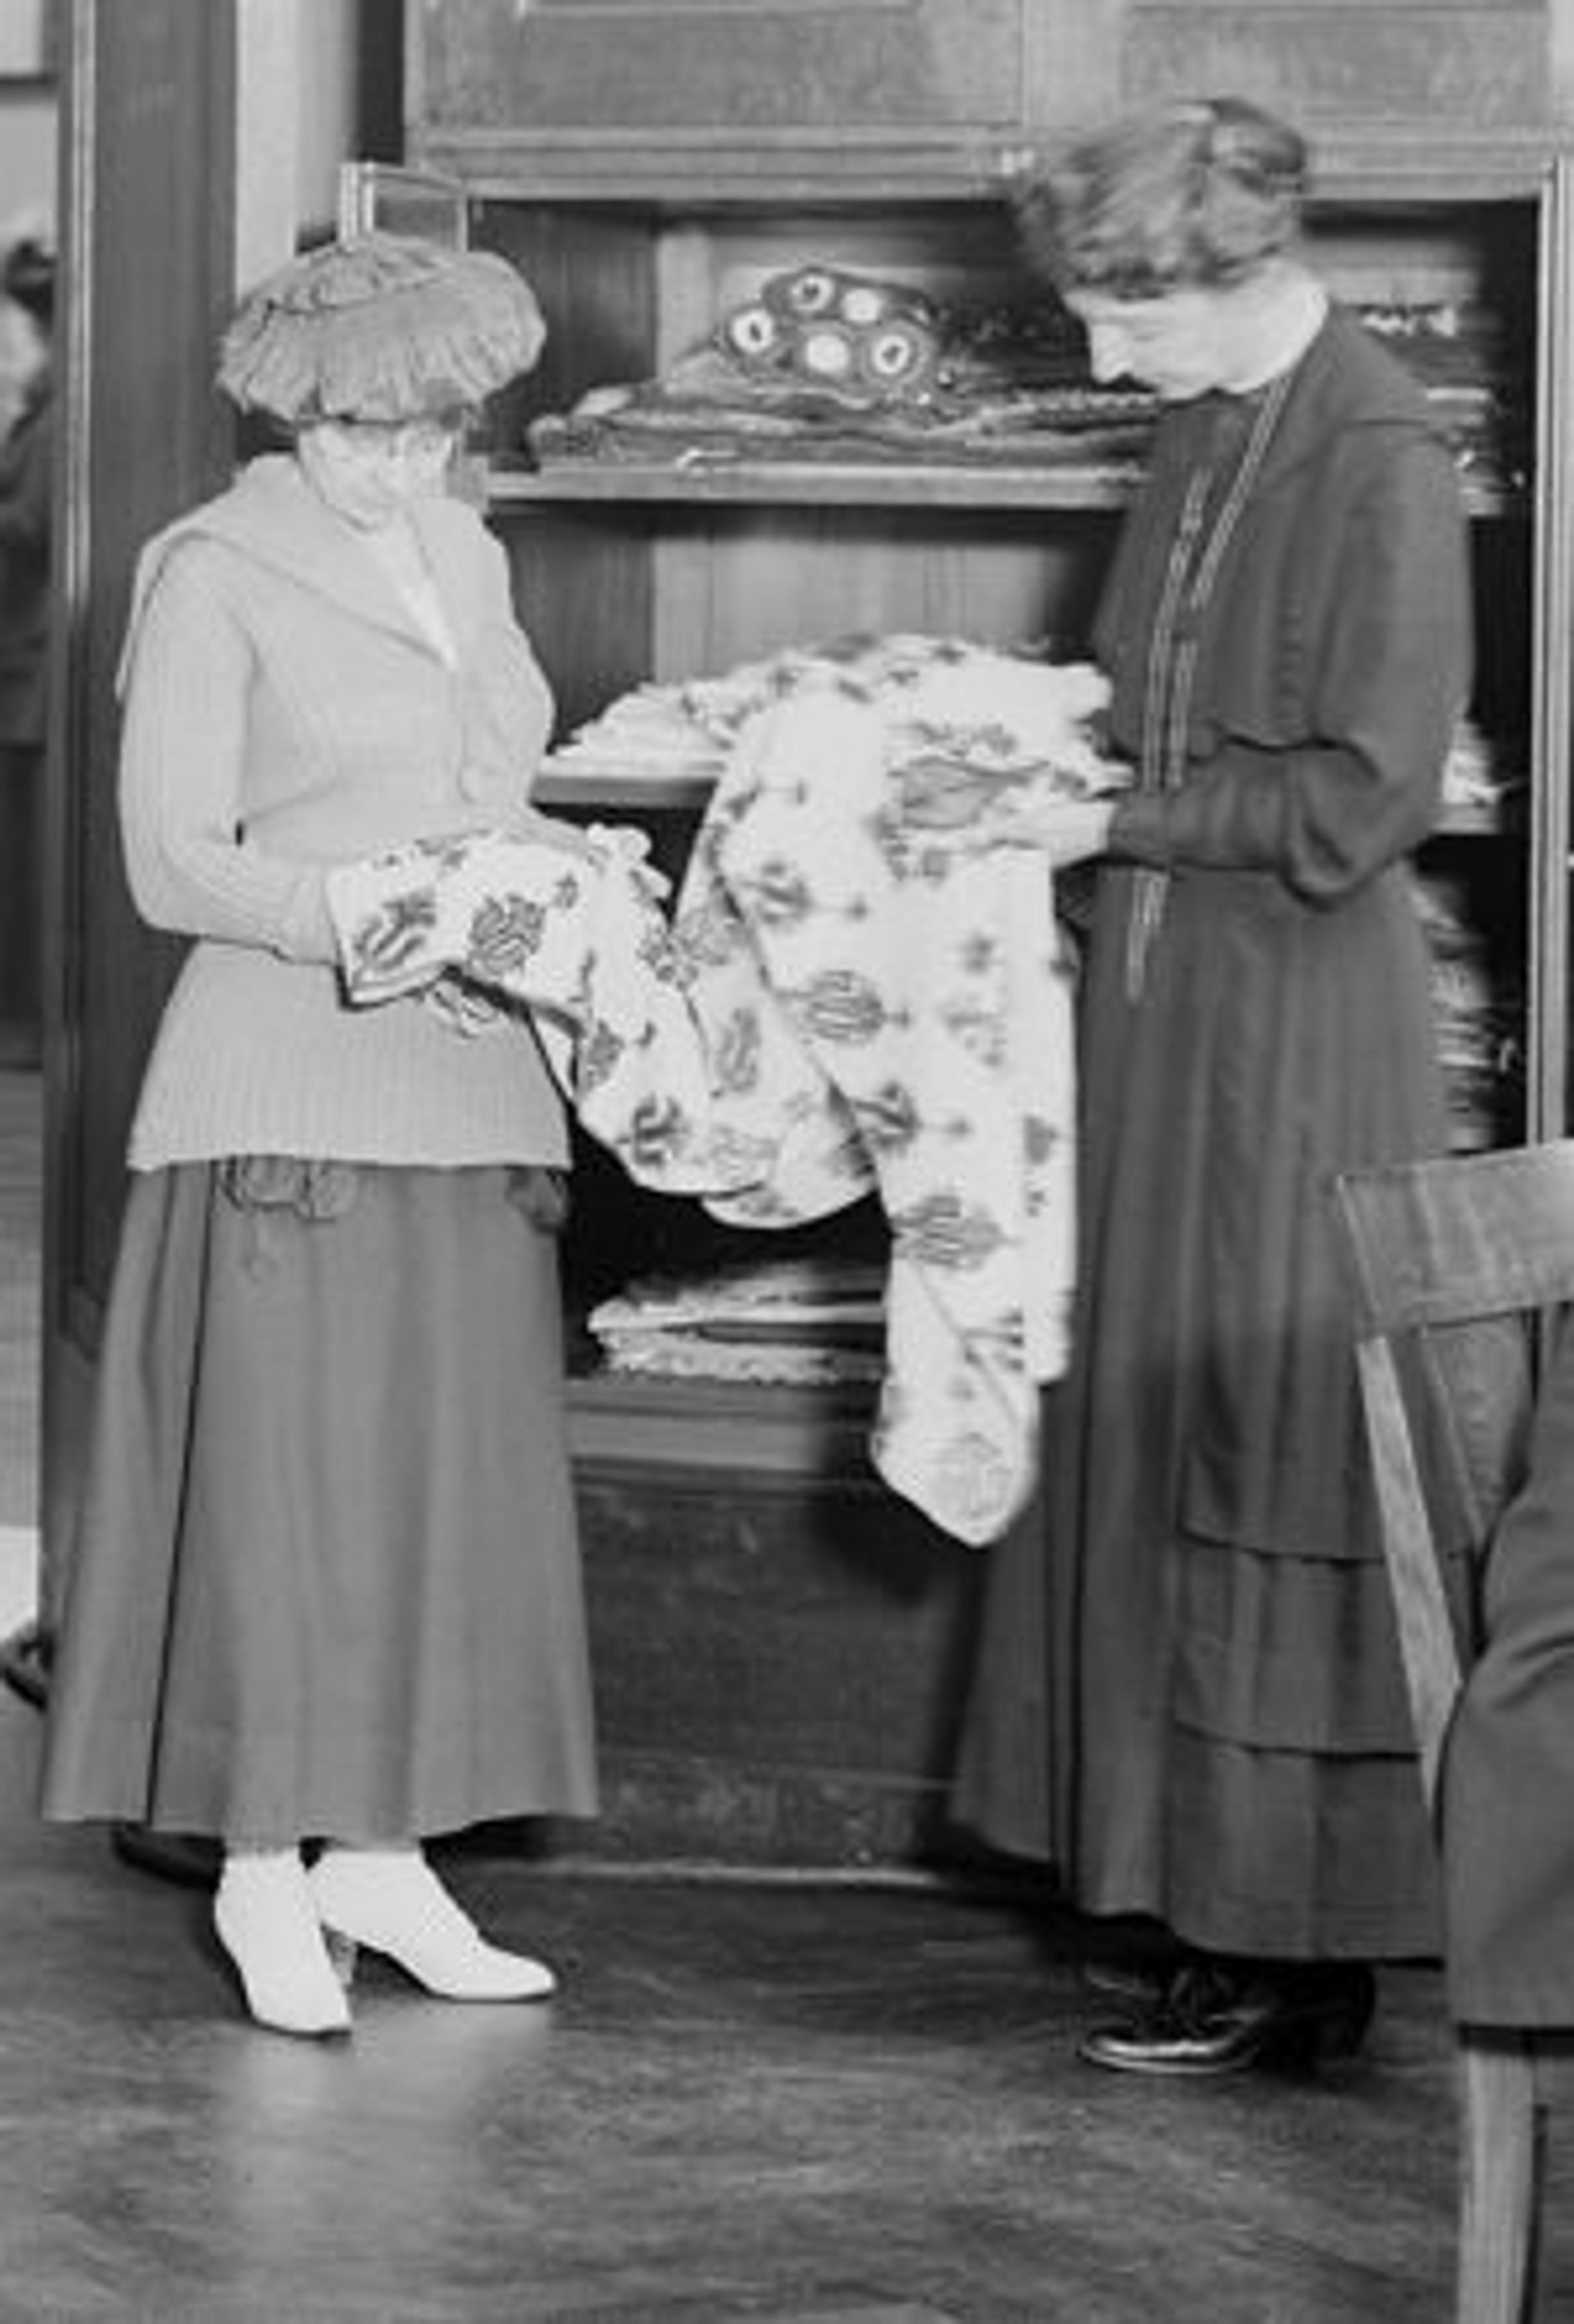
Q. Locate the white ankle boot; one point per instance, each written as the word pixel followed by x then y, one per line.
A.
pixel 391 1900
pixel 265 1918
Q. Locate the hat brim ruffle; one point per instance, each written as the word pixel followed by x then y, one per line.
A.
pixel 384 328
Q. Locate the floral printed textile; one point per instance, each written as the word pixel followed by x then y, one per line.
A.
pixel 889 1006
pixel 856 996
pixel 483 920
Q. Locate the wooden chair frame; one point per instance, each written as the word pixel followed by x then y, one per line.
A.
pixel 1436 1248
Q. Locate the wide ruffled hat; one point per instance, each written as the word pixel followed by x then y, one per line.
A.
pixel 384 327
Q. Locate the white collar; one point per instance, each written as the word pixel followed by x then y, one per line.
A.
pixel 1300 317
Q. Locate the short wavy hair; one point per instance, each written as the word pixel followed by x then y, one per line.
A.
pixel 1196 192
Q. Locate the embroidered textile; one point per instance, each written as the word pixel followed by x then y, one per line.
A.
pixel 889 1006
pixel 584 944
pixel 856 998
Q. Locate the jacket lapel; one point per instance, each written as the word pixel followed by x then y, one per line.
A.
pixel 272 515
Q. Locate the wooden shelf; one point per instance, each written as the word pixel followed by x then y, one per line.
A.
pixel 1502 822
pixel 687 794
pixel 715 478
pixel 821 484
pixel 625 1420
pixel 653 793
pixel 1437 166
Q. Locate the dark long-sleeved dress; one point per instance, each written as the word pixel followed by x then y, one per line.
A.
pixel 1188 1697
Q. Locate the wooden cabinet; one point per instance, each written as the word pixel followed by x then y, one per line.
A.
pixel 1485 70
pixel 670 568
pixel 603 184
pixel 666 94
pixel 590 95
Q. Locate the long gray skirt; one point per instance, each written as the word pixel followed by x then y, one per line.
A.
pixel 327 1580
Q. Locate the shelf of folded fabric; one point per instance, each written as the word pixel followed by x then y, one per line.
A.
pixel 1502 818
pixel 763 1364
pixel 664 744
pixel 713 477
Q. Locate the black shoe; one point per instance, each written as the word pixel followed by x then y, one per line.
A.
pixel 188 1858
pixel 1214 2020
pixel 1132 1984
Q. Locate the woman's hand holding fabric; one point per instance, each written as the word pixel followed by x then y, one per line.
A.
pixel 1062 830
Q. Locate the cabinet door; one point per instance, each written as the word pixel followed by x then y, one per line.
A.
pixel 1487 68
pixel 674 92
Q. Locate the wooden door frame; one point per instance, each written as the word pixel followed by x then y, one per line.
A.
pixel 211 181
pixel 167 405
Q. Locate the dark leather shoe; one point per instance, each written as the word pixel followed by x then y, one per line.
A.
pixel 1127 1984
pixel 1214 2020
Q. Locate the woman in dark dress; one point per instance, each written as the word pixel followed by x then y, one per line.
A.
pixel 1188 1700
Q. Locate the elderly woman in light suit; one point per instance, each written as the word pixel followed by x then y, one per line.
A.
pixel 326 1600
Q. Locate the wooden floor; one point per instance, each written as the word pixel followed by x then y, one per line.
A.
pixel 749 2102
pixel 783 2102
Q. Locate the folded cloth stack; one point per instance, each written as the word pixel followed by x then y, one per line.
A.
pixel 814 1321
pixel 688 727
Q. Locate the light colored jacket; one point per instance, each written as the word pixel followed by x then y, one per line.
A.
pixel 285 711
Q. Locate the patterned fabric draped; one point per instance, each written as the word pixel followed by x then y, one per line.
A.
pixel 854 998
pixel 482 920
pixel 891 1010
